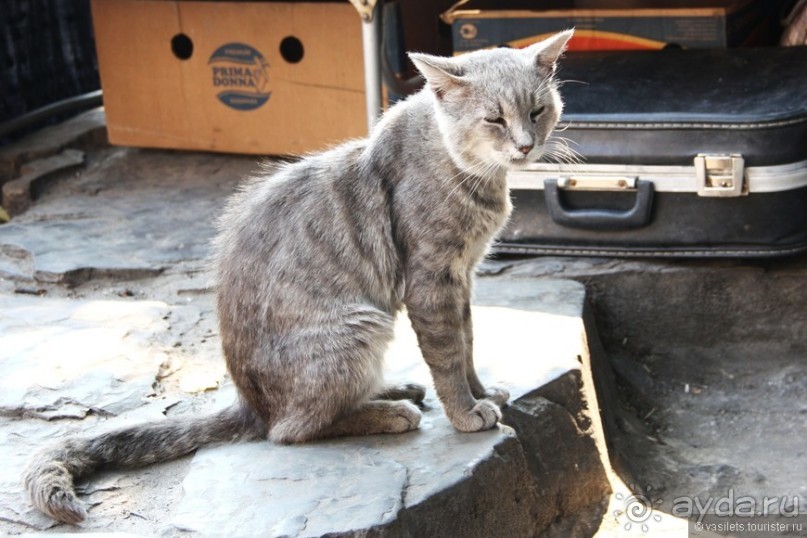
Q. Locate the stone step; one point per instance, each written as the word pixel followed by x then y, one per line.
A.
pixel 515 480
pixel 18 193
pixel 84 131
pixel 540 471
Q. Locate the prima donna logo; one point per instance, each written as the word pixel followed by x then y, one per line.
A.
pixel 241 76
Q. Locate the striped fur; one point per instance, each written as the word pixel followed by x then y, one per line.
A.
pixel 315 260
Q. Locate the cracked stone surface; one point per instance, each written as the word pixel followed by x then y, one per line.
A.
pixel 64 359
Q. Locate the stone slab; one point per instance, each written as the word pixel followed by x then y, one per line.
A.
pixel 18 193
pixel 121 219
pixel 65 359
pixel 85 130
pixel 527 334
pixel 70 367
pixel 528 339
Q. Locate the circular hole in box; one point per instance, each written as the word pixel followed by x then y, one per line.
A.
pixel 182 46
pixel 291 49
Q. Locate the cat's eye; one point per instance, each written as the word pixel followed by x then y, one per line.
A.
pixel 537 112
pixel 497 121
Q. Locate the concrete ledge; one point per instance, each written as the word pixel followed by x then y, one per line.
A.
pixel 538 474
pixel 435 481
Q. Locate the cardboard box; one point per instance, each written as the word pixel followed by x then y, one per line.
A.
pixel 608 24
pixel 241 77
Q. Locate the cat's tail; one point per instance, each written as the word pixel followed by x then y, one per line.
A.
pixel 50 473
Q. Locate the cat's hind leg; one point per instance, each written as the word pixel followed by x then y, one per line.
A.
pixel 374 417
pixel 331 378
pixel 369 418
pixel 406 391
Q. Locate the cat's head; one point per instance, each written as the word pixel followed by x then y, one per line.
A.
pixel 496 107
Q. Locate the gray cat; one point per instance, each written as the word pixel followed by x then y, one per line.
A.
pixel 314 262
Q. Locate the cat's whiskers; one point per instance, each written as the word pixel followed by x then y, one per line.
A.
pixel 478 169
pixel 486 176
pixel 568 124
pixel 561 83
pixel 479 182
pixel 483 177
pixel 541 91
pixel 567 142
pixel 557 149
pixel 469 174
pixel 563 158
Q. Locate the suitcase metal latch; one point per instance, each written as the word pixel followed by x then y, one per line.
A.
pixel 720 175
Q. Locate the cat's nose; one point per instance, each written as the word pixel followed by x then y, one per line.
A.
pixel 526 149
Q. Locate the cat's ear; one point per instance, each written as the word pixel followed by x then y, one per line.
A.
pixel 442 74
pixel 545 53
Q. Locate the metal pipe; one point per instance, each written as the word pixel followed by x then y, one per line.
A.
pixel 79 102
pixel 395 83
pixel 371 43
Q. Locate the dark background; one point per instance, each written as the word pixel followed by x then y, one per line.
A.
pixel 47 53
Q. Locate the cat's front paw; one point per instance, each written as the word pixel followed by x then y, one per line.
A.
pixel 497 395
pixel 482 416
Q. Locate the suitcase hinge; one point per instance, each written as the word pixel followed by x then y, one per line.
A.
pixel 720 175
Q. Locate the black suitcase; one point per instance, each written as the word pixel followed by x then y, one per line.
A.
pixel 686 153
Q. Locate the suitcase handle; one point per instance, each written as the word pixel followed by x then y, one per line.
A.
pixel 600 219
